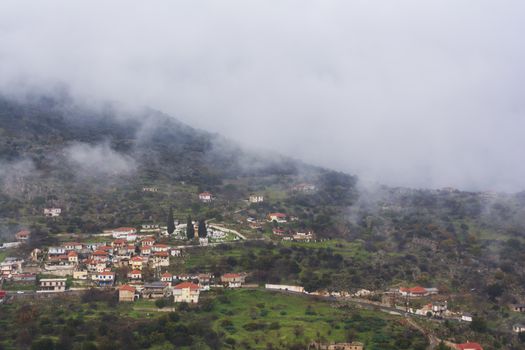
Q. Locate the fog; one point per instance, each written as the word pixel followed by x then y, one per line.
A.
pixel 411 93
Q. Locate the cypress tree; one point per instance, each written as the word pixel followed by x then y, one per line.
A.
pixel 171 224
pixel 190 230
pixel 203 231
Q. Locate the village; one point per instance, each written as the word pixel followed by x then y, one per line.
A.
pixel 137 262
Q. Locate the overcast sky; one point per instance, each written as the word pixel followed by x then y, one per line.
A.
pixel 416 93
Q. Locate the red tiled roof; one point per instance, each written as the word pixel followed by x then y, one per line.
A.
pixel 469 346
pixel 185 285
pixel 136 258
pixel 71 254
pixel 204 194
pixel 161 246
pixel 136 272
pixel 119 241
pixel 100 253
pixel 231 275
pixel 161 254
pixel 414 290
pixel 127 288
pixel 23 233
pixel 167 274
pixel 106 273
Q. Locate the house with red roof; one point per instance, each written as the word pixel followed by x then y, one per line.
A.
pixel 166 277
pixel 205 197
pixel 148 241
pixel 126 293
pixel 160 248
pixel 23 236
pixel 100 256
pixel 186 292
pixel 159 259
pixel 416 291
pixel 104 278
pixel 469 346
pixel 127 233
pixel 233 280
pixel 72 257
pixel 137 263
pixel 277 217
pixel 135 275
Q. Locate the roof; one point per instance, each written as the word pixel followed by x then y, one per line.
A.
pixel 100 253
pixel 23 233
pixel 72 253
pixel 106 273
pixel 120 241
pixel 70 243
pixel 167 274
pixel 414 290
pixel 279 215
pixel 136 272
pixel 158 245
pixel 205 194
pixel 231 275
pixel 161 254
pixel 127 288
pixel 185 285
pixel 149 238
pixel 136 258
pixel 469 346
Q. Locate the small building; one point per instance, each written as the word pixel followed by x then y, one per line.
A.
pixel 469 346
pixel 105 278
pixel 126 293
pixel 256 198
pixel 518 307
pixel 186 292
pixel 56 251
pixel 466 317
pixel 205 197
pixel 160 259
pixel 335 346
pixel 147 241
pixel 304 188
pixel 100 256
pixel 72 257
pixel 277 217
pixel 160 248
pixel 128 233
pixel 137 263
pixel 416 291
pixel 52 212
pixel 155 290
pixel 52 285
pixel 166 277
pixel 135 275
pixel 72 246
pixel 80 275
pixel 23 236
pixel 233 280
pixel 518 328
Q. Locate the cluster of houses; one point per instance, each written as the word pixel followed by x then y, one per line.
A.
pixel 184 288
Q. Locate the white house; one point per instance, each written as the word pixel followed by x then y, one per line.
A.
pixel 205 197
pixel 466 317
pixel 52 285
pixel 256 198
pixel 129 233
pixel 518 328
pixel 277 217
pixel 186 292
pixel 105 278
pixel 52 212
pixel 56 251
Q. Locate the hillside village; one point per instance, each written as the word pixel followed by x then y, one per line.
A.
pixel 140 263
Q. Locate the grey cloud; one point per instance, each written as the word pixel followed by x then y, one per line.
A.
pixel 422 94
pixel 99 159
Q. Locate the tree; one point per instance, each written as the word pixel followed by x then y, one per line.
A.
pixel 171 222
pixel 202 230
pixel 190 230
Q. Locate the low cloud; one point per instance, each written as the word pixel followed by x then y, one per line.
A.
pixel 99 159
